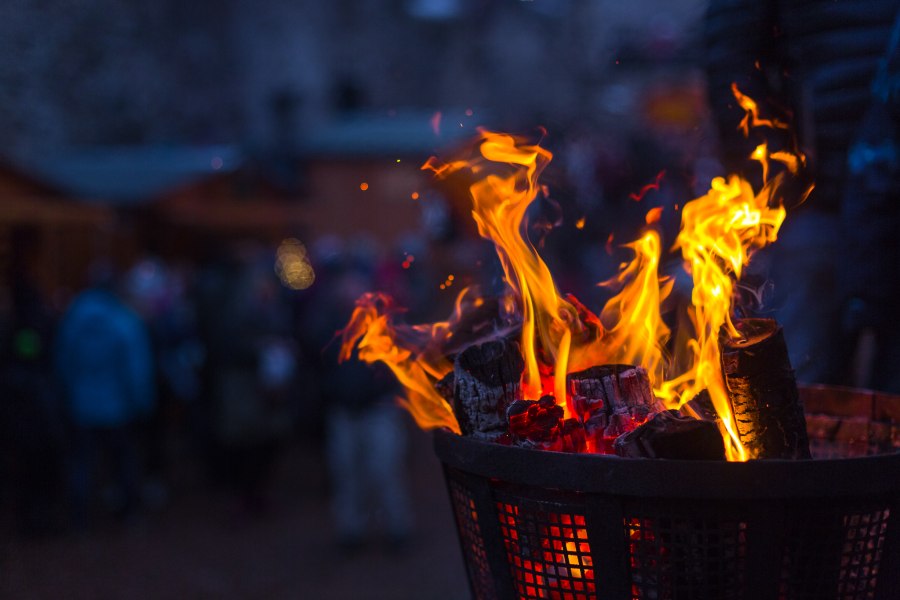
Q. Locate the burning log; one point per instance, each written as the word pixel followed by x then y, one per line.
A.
pixel 700 407
pixel 611 400
pixel 669 434
pixel 763 392
pixel 485 382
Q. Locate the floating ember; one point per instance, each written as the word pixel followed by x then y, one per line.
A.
pixel 542 370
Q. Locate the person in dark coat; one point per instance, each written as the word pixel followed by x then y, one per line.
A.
pixel 811 63
pixel 366 437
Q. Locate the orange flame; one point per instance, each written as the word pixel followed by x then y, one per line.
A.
pixel 376 337
pixel 751 116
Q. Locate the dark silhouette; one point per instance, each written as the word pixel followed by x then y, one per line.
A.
pixel 811 64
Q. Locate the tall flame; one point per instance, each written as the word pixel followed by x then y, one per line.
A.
pixel 555 331
pixel 636 333
pixel 718 233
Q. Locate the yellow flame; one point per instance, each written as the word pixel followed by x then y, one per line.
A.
pixel 635 331
pixel 761 154
pixel 719 231
pixel 499 205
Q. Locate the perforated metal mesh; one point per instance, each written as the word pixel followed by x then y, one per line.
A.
pixel 547 549
pixel 472 541
pixel 833 554
pixel 825 552
pixel 528 542
pixel 685 558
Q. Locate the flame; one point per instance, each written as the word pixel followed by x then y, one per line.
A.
pixel 499 205
pixel 635 331
pixel 751 113
pixel 409 352
pixel 719 233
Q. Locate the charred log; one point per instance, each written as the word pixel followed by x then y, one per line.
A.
pixel 669 434
pixel 768 414
pixel 700 407
pixel 611 400
pixel 479 323
pixel 486 381
pixel 446 387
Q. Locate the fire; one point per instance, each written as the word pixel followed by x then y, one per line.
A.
pixel 375 335
pixel 751 113
pixel 634 329
pixel 719 233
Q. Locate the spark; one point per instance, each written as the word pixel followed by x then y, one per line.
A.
pixel 638 196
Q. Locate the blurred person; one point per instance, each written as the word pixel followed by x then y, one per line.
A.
pixel 365 434
pixel 812 64
pixel 105 364
pixel 254 380
pixel 157 293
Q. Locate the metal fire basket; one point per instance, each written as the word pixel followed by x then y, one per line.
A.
pixel 536 524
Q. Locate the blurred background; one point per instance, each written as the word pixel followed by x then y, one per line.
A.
pixel 191 196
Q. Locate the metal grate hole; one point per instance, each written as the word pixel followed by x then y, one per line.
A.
pixel 676 558
pixel 473 542
pixel 547 549
pixel 838 561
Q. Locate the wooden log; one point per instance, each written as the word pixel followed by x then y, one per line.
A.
pixel 768 414
pixel 486 382
pixel 669 434
pixel 610 400
pixel 700 407
pixel 446 387
pixel 479 323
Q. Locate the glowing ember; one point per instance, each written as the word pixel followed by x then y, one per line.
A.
pixel 560 336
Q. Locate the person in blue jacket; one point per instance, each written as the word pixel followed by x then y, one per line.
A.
pixel 105 364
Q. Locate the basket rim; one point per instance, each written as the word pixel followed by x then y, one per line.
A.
pixel 853 477
pixel 877 475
